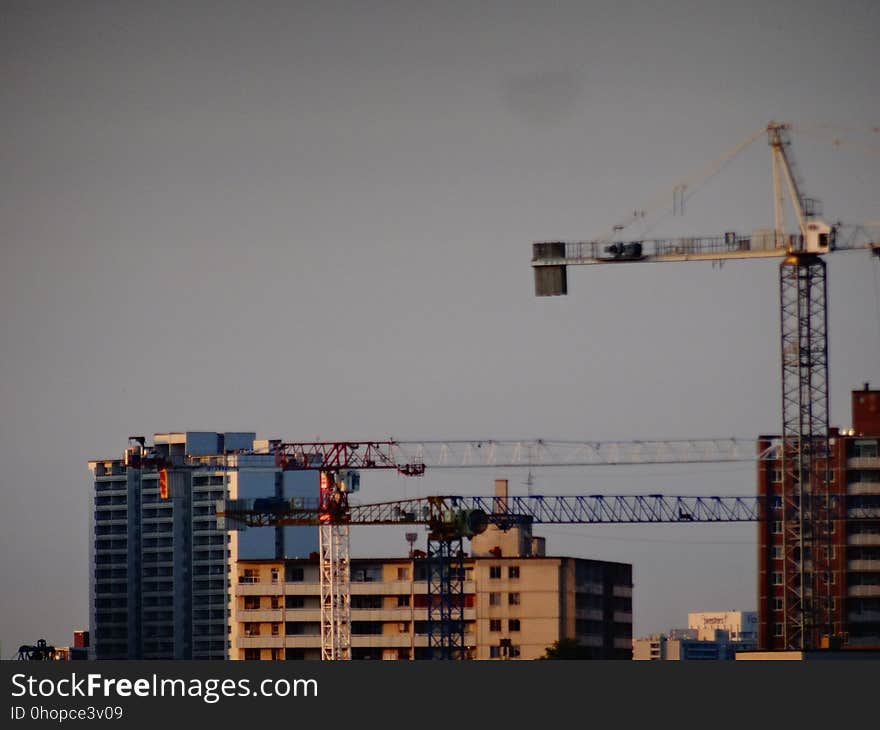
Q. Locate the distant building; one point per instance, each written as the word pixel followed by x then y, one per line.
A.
pixel 737 628
pixel 77 651
pixel 679 645
pixel 854 562
pixel 159 567
pixel 518 602
pixel 713 635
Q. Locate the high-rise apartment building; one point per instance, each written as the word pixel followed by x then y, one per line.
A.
pixel 854 545
pixel 159 567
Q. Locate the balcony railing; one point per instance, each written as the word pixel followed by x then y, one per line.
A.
pixel 863 462
pixel 864 591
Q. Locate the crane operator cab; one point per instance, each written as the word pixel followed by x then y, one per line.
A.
pixel 625 251
pixel 819 237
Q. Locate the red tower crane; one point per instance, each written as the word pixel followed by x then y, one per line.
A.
pixel 338 463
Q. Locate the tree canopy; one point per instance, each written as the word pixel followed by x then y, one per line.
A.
pixel 566 649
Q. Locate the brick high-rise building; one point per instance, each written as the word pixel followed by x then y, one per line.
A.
pixel 854 565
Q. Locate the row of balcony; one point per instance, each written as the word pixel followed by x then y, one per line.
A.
pixel 863 538
pixel 313 615
pixel 864 591
pixel 313 641
pixel 278 615
pixel 864 566
pixel 405 640
pixel 863 462
pixel 402 588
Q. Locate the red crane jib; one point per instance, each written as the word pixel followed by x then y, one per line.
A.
pixel 338 455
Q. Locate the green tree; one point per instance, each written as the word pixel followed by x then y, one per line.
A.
pixel 566 649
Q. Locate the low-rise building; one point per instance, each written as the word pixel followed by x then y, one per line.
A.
pixel 679 645
pixel 737 628
pixel 516 605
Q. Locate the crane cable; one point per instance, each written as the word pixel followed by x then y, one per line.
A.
pixel 695 182
pixel 877 299
pixel 823 131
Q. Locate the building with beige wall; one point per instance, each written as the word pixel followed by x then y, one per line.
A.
pixel 516 605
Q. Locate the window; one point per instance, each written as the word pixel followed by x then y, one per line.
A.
pixel 777 475
pixel 513 571
pixel 250 575
pixel 251 629
pixel 777 604
pixel 494 652
pixel 251 603
pixel 294 602
pixel 777 630
pixel 777 552
pixel 276 629
pixel 494 599
pixel 275 602
pixel 513 624
pixel 251 654
pixel 866 449
pixel 294 574
pixel 495 624
pixel 513 599
pixel 275 573
pixel 495 571
pixel 369 602
pixel 777 578
pixel 403 574
pixel 402 601
pixel 777 528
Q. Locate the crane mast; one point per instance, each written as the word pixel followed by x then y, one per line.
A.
pixel 806 512
pixel 337 463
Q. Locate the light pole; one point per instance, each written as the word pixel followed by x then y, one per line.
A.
pixel 411 538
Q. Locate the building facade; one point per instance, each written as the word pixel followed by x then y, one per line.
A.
pixel 738 628
pixel 159 567
pixel 854 556
pixel 680 645
pixel 515 607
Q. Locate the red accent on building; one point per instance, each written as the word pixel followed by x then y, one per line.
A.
pixel 866 411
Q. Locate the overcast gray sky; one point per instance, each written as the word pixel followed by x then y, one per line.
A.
pixel 314 220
